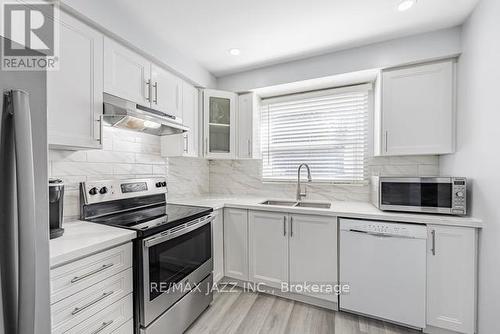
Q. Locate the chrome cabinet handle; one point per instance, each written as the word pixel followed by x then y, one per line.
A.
pixel 291 227
pixel 249 148
pixel 156 92
pixel 185 144
pixel 177 97
pixel 284 226
pixel 103 326
pixel 206 146
pixel 100 121
pixel 433 249
pixel 93 272
pixel 386 139
pixel 148 84
pixel 89 304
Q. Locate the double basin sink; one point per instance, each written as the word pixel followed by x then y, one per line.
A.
pixel 297 204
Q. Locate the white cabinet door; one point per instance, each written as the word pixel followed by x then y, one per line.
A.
pixel 268 247
pixel 219 118
pixel 313 252
pixel 451 278
pixel 418 110
pixel 74 92
pixel 236 243
pixel 218 244
pixel 248 130
pixel 190 100
pixel 126 74
pixel 166 92
pixel 185 144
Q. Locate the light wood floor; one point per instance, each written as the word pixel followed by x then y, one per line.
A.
pixel 252 313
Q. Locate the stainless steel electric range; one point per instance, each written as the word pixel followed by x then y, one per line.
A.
pixel 172 253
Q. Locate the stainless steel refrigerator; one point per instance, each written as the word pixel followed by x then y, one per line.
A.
pixel 24 227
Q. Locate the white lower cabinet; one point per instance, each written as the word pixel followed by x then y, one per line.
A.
pixel 94 294
pixel 293 248
pixel 451 279
pixel 236 243
pixel 116 318
pixel 313 252
pixel 218 245
pixel 268 247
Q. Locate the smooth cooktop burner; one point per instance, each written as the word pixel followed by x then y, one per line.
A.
pixel 150 220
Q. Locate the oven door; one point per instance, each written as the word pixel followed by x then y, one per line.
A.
pixel 173 263
pixel 433 195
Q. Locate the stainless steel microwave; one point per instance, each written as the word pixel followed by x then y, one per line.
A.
pixel 444 195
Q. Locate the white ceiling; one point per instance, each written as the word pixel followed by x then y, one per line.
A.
pixel 273 31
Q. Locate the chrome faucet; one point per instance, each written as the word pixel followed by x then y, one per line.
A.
pixel 301 194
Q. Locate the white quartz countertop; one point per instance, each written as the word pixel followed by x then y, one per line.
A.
pixel 81 239
pixel 344 209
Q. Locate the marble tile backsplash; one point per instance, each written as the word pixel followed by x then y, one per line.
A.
pixel 129 154
pixel 187 177
pixel 244 177
pixel 125 154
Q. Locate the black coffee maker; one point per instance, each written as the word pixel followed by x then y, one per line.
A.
pixel 56 197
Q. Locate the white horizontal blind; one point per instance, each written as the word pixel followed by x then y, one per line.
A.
pixel 328 130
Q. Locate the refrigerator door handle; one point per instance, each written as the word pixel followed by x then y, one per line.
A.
pixel 25 178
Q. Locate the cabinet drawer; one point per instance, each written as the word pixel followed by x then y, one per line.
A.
pixel 110 320
pixel 126 328
pixel 71 311
pixel 73 277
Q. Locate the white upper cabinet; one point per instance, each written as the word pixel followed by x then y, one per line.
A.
pixel 268 247
pixel 185 144
pixel 133 77
pixel 74 92
pixel 416 113
pixel 313 251
pixel 166 92
pixel 248 130
pixel 451 279
pixel 219 119
pixel 126 74
pixel 191 118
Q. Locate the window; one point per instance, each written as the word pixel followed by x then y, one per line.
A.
pixel 326 129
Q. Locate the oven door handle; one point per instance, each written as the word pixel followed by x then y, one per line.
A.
pixel 167 235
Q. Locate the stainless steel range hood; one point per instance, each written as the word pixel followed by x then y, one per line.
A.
pixel 128 115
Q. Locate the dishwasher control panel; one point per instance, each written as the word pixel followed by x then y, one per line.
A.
pixel 384 228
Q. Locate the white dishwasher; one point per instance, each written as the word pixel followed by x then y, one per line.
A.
pixel 384 265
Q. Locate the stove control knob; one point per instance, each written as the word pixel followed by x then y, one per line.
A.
pixel 158 184
pixel 164 184
pixel 460 194
pixel 93 191
pixel 103 190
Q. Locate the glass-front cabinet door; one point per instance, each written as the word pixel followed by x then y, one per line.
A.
pixel 219 109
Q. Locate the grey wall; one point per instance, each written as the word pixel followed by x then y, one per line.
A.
pixel 395 52
pixel 477 152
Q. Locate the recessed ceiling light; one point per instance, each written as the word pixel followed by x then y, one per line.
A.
pixel 234 52
pixel 404 5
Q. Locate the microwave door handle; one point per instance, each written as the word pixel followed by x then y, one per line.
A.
pixel 162 237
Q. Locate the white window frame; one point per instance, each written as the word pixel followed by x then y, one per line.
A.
pixel 336 90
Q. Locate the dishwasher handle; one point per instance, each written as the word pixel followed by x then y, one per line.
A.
pixel 382 235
